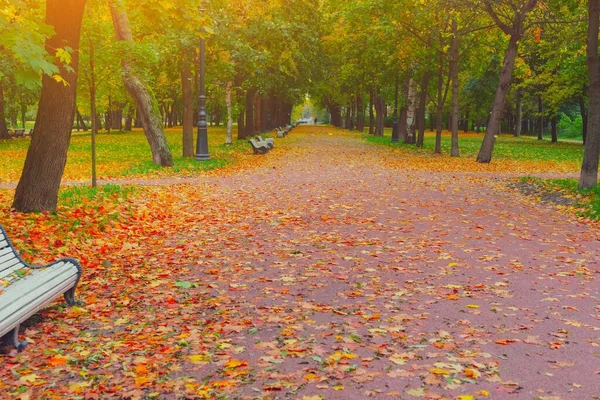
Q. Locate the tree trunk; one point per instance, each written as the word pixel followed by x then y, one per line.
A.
pixel 519 123
pixel 584 117
pixel 540 119
pixel 187 86
pixel 403 121
pixel 411 114
pixel 228 103
pixel 360 113
pixel 3 128
pixel 487 147
pixel 129 118
pixel 422 109
pixel 47 155
pixel 145 101
pixel 589 169
pixel 93 86
pixel 454 48
pixel 80 122
pixel 555 129
pixel 250 94
pixel 371 113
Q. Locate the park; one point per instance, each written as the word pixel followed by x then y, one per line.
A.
pixel 300 199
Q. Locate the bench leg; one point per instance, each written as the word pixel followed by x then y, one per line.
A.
pixel 12 339
pixel 70 297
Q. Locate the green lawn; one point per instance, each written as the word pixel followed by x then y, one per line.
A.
pixel 506 147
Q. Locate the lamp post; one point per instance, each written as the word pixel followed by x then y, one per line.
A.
pixel 396 127
pixel 202 140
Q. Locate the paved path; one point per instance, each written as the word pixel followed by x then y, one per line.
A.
pixel 357 281
pixel 325 273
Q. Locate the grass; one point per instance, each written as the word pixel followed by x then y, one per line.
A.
pixel 123 155
pixel 75 195
pixel 507 147
pixel 588 200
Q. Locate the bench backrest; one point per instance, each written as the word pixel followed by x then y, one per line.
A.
pixel 9 260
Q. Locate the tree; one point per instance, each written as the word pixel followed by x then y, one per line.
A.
pixel 144 98
pixel 46 158
pixel 589 169
pixel 514 25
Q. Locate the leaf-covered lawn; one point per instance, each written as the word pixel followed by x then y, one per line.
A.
pixel 517 155
pixel 126 154
pixel 323 274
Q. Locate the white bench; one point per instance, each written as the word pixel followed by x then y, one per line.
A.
pixel 25 289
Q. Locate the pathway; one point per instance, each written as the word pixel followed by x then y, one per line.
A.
pixel 352 281
pixel 326 275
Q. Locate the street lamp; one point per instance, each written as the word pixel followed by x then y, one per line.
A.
pixel 202 141
pixel 396 127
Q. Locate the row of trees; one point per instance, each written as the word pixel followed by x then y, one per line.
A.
pixel 120 61
pixel 509 65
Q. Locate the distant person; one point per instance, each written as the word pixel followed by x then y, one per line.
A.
pixel 315 121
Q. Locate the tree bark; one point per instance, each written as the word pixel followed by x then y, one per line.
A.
pixel 440 105
pixel 47 155
pixel 187 86
pixel 360 112
pixel 454 48
pixel 487 147
pixel 379 119
pixel 371 113
pixel 93 112
pixel 250 94
pixel 3 128
pixel 540 119
pixel 555 129
pixel 589 169
pixel 129 118
pixel 403 119
pixel 423 108
pixel 584 117
pixel 228 103
pixel 80 121
pixel 515 31
pixel 519 122
pixel 144 98
pixel 411 114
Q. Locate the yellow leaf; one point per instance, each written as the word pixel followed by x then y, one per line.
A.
pixel 472 306
pixel 198 359
pixel 467 397
pixel 142 380
pixel 311 377
pixel 439 371
pixel 235 364
pixel 28 378
pixel 338 387
pixel 483 393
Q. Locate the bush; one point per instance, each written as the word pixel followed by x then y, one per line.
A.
pixel 570 127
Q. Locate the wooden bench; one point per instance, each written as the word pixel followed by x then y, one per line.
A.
pixel 269 141
pixel 259 147
pixel 25 289
pixel 20 133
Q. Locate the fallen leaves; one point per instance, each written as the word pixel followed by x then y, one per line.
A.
pixel 240 288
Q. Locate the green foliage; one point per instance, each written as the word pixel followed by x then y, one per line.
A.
pixel 570 127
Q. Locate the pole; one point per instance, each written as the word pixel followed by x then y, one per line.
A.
pixel 396 127
pixel 202 141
